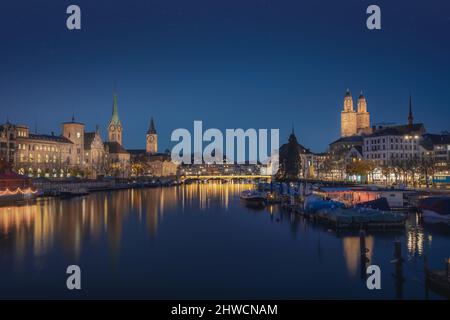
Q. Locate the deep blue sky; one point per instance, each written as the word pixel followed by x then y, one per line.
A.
pixel 234 63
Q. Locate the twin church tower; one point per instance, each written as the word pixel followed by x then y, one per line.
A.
pixel 115 130
pixel 354 122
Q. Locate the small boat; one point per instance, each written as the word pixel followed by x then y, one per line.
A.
pixel 436 208
pixel 18 196
pixel 15 188
pixel 253 198
pixel 66 194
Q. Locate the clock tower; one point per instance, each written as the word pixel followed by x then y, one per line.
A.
pixel 115 126
pixel 152 139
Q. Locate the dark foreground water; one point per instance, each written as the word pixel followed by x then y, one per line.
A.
pixel 198 241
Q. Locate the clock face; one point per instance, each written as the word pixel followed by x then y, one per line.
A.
pixel 119 129
pixel 112 128
pixel 151 138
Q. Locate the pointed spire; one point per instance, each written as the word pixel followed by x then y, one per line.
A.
pixel 361 95
pixel 348 93
pixel 115 109
pixel 73 117
pixel 292 136
pixel 410 115
pixel 151 128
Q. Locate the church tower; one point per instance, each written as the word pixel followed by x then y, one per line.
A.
pixel 115 126
pixel 348 117
pixel 152 139
pixel 410 115
pixel 362 116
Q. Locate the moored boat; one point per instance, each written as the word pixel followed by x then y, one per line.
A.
pixel 74 193
pixel 15 188
pixel 254 198
pixel 435 208
pixel 314 203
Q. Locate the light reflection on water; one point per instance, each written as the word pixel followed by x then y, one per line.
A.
pixel 70 220
pixel 142 229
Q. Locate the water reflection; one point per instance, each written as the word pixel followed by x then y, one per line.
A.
pixel 415 237
pixel 157 220
pixel 351 245
pixel 67 223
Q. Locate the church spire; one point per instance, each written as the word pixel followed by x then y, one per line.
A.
pixel 115 127
pixel 151 128
pixel 410 115
pixel 115 110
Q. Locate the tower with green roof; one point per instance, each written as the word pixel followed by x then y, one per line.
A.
pixel 115 126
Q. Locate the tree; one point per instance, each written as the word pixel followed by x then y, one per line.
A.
pixel 359 167
pixel 427 168
pixel 386 171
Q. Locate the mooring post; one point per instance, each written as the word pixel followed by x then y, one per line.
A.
pixel 362 242
pixel 398 252
pixel 398 269
pixel 363 250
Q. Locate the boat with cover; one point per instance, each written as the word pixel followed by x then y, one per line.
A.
pixel 314 203
pixel 435 208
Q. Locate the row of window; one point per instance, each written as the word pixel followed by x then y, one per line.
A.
pixel 39 158
pixel 393 147
pixel 31 147
pixel 392 140
pixel 393 156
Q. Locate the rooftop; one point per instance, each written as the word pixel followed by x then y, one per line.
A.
pixel 415 128
pixel 115 147
pixel 48 137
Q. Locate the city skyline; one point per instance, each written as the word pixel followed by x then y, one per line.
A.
pixel 283 63
pixel 167 144
pixel 264 151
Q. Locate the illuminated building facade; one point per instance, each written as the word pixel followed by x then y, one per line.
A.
pixel 354 122
pixel 390 144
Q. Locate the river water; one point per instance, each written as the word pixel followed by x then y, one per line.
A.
pixel 199 241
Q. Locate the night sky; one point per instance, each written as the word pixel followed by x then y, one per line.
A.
pixel 232 64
